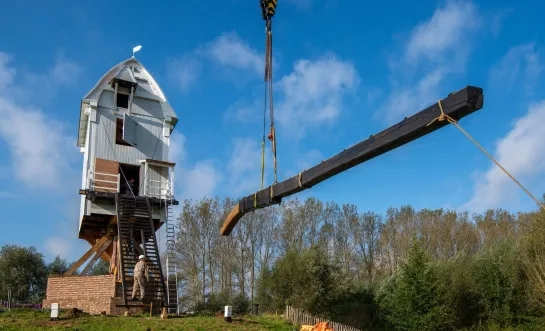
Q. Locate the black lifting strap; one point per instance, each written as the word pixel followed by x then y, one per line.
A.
pixel 268 8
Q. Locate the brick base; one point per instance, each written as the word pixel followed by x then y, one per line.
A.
pixel 92 294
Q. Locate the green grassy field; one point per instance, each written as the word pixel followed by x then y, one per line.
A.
pixel 39 320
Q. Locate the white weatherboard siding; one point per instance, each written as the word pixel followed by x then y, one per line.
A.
pixel 155 120
pixel 84 177
pixel 149 135
pixel 108 208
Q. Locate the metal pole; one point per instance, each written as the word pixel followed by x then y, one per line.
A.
pixel 9 299
pixel 143 241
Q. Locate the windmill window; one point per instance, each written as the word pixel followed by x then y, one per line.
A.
pixel 122 100
pixel 119 133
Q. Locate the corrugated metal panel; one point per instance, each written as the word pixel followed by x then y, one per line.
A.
pixel 150 140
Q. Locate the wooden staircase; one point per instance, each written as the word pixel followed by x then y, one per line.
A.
pixel 136 234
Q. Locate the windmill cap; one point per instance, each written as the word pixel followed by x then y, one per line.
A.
pixel 141 257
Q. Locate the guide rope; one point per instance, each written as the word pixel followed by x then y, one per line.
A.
pixel 452 121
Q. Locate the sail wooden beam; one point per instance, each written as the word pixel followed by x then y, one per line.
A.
pixel 457 105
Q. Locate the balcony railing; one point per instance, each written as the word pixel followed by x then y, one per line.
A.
pixel 100 184
pixel 111 183
pixel 157 188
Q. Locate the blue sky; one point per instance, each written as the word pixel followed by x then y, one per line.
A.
pixel 342 70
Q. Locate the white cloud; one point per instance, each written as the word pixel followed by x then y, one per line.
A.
pixel 404 101
pixel 40 148
pixel 64 72
pixel 58 246
pixel 37 145
pixel 435 48
pixel 201 180
pixel 230 50
pixel 520 152
pixel 177 151
pixel 242 173
pixel 244 167
pixel 184 71
pixel 520 63
pixel 227 50
pixel 191 181
pixel 312 94
pixel 446 31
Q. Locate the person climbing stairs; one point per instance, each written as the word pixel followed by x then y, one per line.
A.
pixel 136 233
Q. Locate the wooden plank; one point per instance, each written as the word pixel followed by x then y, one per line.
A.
pixel 106 167
pixel 457 105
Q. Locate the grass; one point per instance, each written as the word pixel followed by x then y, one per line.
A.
pixel 26 319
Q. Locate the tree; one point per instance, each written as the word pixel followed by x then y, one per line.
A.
pixel 331 259
pixel 414 298
pixel 365 233
pixel 58 266
pixel 100 268
pixel 305 280
pixel 24 272
pixel 534 258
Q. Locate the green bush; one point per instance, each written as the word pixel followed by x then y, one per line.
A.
pixel 499 282
pixel 241 304
pixel 214 303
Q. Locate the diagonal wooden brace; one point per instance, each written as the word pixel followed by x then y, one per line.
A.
pixel 88 254
pixel 98 253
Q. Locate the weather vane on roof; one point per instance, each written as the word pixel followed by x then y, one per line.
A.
pixel 136 49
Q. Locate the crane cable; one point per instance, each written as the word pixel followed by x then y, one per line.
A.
pixel 268 9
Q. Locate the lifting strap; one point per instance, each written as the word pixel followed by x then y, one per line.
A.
pixel 268 9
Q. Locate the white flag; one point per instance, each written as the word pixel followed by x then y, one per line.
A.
pixel 136 49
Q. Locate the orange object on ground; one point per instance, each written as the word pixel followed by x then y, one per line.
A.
pixel 322 326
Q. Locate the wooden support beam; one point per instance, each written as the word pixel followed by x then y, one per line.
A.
pixel 98 253
pixel 457 105
pixel 112 226
pixel 88 254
